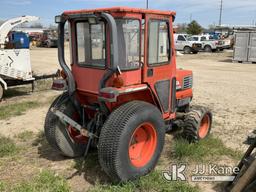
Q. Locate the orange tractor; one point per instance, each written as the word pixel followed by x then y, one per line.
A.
pixel 123 90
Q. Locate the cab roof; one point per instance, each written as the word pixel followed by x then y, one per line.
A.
pixel 121 9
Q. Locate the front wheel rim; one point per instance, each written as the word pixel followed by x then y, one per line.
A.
pixel 204 126
pixel 142 145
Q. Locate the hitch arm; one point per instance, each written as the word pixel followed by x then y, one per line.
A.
pixel 71 122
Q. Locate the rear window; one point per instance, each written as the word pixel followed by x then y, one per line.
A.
pixel 91 44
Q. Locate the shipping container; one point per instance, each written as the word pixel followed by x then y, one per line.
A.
pixel 245 46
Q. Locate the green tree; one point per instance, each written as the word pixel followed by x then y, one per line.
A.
pixel 194 28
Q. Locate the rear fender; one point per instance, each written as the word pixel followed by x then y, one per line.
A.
pixel 126 94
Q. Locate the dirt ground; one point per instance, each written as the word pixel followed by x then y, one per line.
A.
pixel 227 88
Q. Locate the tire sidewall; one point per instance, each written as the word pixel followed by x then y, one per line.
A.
pixel 126 168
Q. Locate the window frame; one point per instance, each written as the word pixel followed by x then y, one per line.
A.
pixel 170 48
pixel 84 65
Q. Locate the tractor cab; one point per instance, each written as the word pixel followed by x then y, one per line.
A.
pixel 123 90
pixel 120 51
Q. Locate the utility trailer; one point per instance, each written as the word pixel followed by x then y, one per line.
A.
pixel 15 66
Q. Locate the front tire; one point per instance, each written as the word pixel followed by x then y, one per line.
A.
pixel 197 124
pixel 187 50
pixel 131 141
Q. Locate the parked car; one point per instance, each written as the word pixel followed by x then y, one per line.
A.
pixel 208 44
pixel 182 44
pixel 228 39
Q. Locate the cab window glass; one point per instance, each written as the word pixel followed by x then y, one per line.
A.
pixel 91 44
pixel 159 42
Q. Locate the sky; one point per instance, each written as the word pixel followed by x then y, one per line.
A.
pixel 206 12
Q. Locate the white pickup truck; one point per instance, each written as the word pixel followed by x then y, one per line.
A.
pixel 182 44
pixel 208 45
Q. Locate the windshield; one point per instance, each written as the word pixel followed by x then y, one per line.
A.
pixel 129 43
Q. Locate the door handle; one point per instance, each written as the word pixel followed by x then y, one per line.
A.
pixel 150 72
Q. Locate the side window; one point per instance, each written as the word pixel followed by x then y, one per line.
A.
pixel 159 42
pixel 181 38
pixel 90 44
pixel 203 38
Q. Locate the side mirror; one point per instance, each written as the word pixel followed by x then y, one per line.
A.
pixel 58 19
pixel 173 18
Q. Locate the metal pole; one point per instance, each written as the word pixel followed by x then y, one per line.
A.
pixel 147 4
pixel 221 8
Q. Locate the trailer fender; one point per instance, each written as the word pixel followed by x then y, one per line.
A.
pixel 3 83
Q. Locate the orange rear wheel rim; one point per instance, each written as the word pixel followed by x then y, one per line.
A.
pixel 204 126
pixel 74 134
pixel 142 145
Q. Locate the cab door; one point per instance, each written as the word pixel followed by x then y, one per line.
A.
pixel 159 68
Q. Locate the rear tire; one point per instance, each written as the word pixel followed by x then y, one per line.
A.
pixel 187 50
pixel 197 124
pixel 56 132
pixel 134 128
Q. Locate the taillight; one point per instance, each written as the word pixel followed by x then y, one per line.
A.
pixel 59 84
pixel 108 94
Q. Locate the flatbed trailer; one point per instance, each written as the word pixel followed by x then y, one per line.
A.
pixel 16 82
